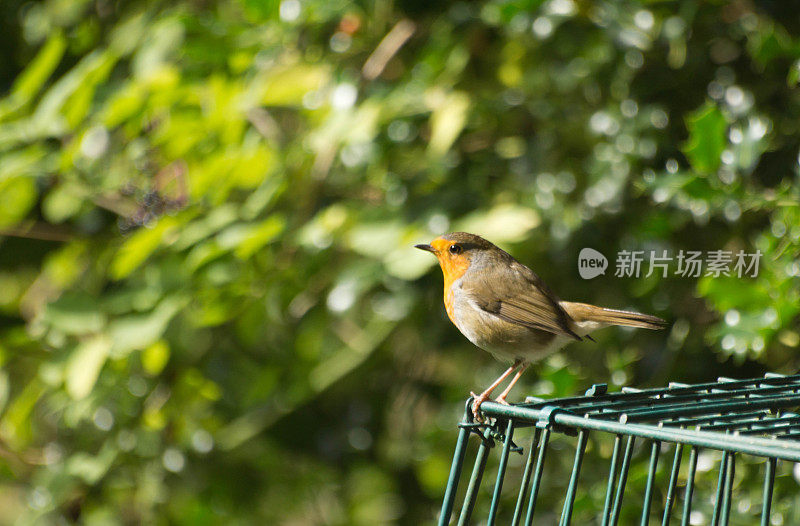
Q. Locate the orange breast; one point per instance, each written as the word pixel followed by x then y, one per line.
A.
pixel 452 269
pixel 448 303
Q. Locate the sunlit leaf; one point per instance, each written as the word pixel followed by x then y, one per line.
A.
pixel 85 364
pixel 286 86
pixel 90 468
pixel 163 39
pixel 77 106
pixel 141 330
pixel 75 313
pixel 447 120
pixel 140 246
pixel 30 81
pixel 707 127
pixel 15 425
pixel 123 105
pixel 64 266
pixel 504 222
pixel 61 204
pixel 407 262
pixel 375 239
pixel 155 357
pixel 260 235
pixel 17 197
pixel 80 79
pixel 5 389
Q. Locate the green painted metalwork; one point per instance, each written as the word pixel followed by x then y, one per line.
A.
pixel 735 417
pixel 623 479
pixel 537 476
pixel 651 477
pixel 526 478
pixel 673 481
pixel 723 469
pixel 687 499
pixel 612 476
pixel 501 473
pixel 569 501
pixel 455 473
pixel 769 483
pixel 475 479
pixel 730 469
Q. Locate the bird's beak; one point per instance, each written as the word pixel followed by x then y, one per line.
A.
pixel 425 247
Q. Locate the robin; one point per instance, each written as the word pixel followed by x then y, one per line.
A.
pixel 505 308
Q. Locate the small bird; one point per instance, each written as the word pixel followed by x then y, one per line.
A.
pixel 505 308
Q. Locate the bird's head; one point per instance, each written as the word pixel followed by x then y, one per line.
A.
pixel 456 251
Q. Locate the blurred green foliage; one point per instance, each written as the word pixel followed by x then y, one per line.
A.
pixel 211 310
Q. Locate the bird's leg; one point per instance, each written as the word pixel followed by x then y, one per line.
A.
pixel 502 398
pixel 481 398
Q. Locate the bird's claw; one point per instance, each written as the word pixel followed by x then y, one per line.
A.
pixel 476 406
pixel 478 400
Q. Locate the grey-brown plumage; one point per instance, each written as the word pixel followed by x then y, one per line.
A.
pixel 524 299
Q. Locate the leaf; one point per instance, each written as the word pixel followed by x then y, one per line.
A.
pixel 393 243
pixel 375 239
pixel 84 366
pixel 78 105
pixel 91 468
pixel 162 40
pixel 320 231
pixel 286 86
pixel 123 104
pixel 707 127
pixel 408 263
pixel 216 219
pixel 40 68
pixel 769 43
pixel 17 197
pixel 730 292
pixel 139 247
pixel 358 347
pixel 447 121
pixel 138 331
pixel 260 235
pixel 17 422
pixel 252 167
pixel 5 389
pixel 65 265
pixel 81 80
pixel 128 33
pixel 28 162
pixel 504 222
pixel 60 204
pixel 75 313
pixel 793 77
pixel 155 357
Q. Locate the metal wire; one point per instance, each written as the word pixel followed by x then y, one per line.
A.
pixel 736 417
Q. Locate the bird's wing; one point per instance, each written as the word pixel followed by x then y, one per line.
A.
pixel 522 298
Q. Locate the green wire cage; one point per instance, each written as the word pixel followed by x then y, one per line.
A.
pixel 739 419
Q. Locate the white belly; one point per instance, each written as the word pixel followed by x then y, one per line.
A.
pixel 507 342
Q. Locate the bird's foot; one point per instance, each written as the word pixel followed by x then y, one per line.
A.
pixel 476 406
pixel 501 400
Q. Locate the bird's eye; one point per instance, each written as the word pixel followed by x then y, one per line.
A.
pixel 456 249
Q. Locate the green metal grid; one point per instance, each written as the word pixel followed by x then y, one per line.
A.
pixel 736 417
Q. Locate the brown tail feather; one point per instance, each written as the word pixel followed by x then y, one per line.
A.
pixel 585 312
